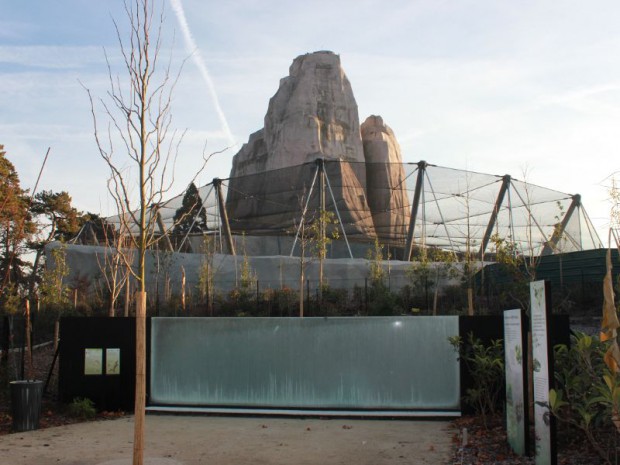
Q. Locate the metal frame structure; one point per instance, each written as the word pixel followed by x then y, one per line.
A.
pixel 447 208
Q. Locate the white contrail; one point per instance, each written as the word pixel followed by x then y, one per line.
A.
pixel 191 46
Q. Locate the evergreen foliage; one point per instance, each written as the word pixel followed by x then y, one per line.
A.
pixel 54 214
pixel 190 217
pixel 16 227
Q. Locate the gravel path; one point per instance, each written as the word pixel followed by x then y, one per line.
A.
pixel 191 440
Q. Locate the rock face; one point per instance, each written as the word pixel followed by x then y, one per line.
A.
pixel 252 158
pixel 385 180
pixel 314 115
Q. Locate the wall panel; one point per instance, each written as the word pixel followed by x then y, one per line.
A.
pixel 378 363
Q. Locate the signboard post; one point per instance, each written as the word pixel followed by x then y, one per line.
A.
pixel 544 423
pixel 515 363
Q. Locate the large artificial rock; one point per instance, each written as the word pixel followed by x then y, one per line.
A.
pixel 252 158
pixel 385 181
pixel 312 115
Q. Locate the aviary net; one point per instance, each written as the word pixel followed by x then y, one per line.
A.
pixel 405 206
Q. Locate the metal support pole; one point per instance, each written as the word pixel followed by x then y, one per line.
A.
pixel 494 213
pixel 217 184
pixel 320 162
pixel 552 243
pixel 162 227
pixel 303 213
pixel 321 167
pixel 344 233
pixel 419 187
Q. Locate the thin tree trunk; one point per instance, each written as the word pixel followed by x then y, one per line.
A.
pixel 301 287
pixel 209 290
pixel 113 294
pixel 321 231
pixel 111 307
pixel 470 301
pixel 183 289
pixel 35 267
pixel 127 296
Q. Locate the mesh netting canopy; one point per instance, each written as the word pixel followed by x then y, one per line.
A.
pixel 403 205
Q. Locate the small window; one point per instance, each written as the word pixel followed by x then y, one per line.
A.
pixel 113 361
pixel 93 361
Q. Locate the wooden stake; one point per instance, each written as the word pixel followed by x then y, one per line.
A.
pixel 140 401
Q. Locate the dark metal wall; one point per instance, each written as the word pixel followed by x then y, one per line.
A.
pixel 107 391
pixel 114 392
pixel 491 327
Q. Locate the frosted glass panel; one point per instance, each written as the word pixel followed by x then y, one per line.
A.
pixel 353 363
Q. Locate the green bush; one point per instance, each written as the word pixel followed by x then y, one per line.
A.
pixel 485 364
pixel 587 394
pixel 333 302
pixel 82 408
pixel 382 302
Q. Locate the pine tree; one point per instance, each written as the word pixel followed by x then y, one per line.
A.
pixel 190 217
pixel 57 217
pixel 16 226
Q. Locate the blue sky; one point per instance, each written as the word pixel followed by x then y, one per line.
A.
pixel 528 88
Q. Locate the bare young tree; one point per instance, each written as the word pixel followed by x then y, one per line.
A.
pixel 207 274
pixel 113 264
pixel 470 264
pixel 314 233
pixel 303 244
pixel 532 247
pixel 139 146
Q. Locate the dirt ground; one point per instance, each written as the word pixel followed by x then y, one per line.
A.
pixel 190 440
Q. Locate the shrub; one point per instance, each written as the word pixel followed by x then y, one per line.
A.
pixel 485 364
pixel 587 394
pixel 82 408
